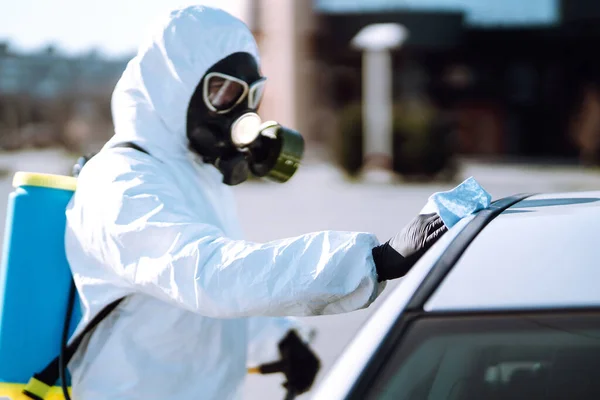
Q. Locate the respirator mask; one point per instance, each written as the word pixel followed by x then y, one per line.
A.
pixel 223 126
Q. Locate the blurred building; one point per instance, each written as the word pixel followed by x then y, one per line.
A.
pixel 47 73
pixel 47 98
pixel 513 73
pixel 517 77
pixel 286 32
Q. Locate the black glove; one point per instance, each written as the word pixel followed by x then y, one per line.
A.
pixel 300 364
pixel 396 257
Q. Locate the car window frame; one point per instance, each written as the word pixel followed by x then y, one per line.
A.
pixel 398 337
pixel 438 272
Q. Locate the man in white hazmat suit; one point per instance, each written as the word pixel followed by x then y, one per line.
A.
pixel 156 224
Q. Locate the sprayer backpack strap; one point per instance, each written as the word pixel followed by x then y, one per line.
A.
pixel 39 385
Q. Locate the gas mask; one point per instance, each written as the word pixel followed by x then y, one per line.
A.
pixel 223 126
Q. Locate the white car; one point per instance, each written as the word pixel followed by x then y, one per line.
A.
pixel 505 306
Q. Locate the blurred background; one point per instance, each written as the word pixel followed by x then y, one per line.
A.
pixel 478 78
pixel 506 91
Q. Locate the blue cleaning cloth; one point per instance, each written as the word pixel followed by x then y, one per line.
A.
pixel 453 205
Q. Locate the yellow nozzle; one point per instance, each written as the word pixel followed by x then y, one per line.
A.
pixel 254 370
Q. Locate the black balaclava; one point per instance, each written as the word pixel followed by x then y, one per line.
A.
pixel 209 132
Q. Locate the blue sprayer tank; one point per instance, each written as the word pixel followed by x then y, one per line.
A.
pixel 34 275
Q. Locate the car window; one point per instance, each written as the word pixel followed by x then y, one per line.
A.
pixel 494 357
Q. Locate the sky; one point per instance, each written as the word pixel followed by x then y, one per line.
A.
pixel 477 11
pixel 113 27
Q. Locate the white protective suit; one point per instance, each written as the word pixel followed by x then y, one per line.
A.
pixel 162 230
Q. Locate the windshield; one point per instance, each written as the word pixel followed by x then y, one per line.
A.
pixel 495 357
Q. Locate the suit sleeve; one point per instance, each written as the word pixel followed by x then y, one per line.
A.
pixel 157 245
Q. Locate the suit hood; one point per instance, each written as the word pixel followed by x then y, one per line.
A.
pixel 151 99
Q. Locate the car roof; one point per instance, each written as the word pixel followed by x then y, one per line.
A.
pixel 542 252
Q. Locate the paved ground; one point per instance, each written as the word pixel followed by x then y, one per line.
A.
pixel 320 198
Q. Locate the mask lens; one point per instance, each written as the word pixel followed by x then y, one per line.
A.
pixel 245 129
pixel 256 94
pixel 223 93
